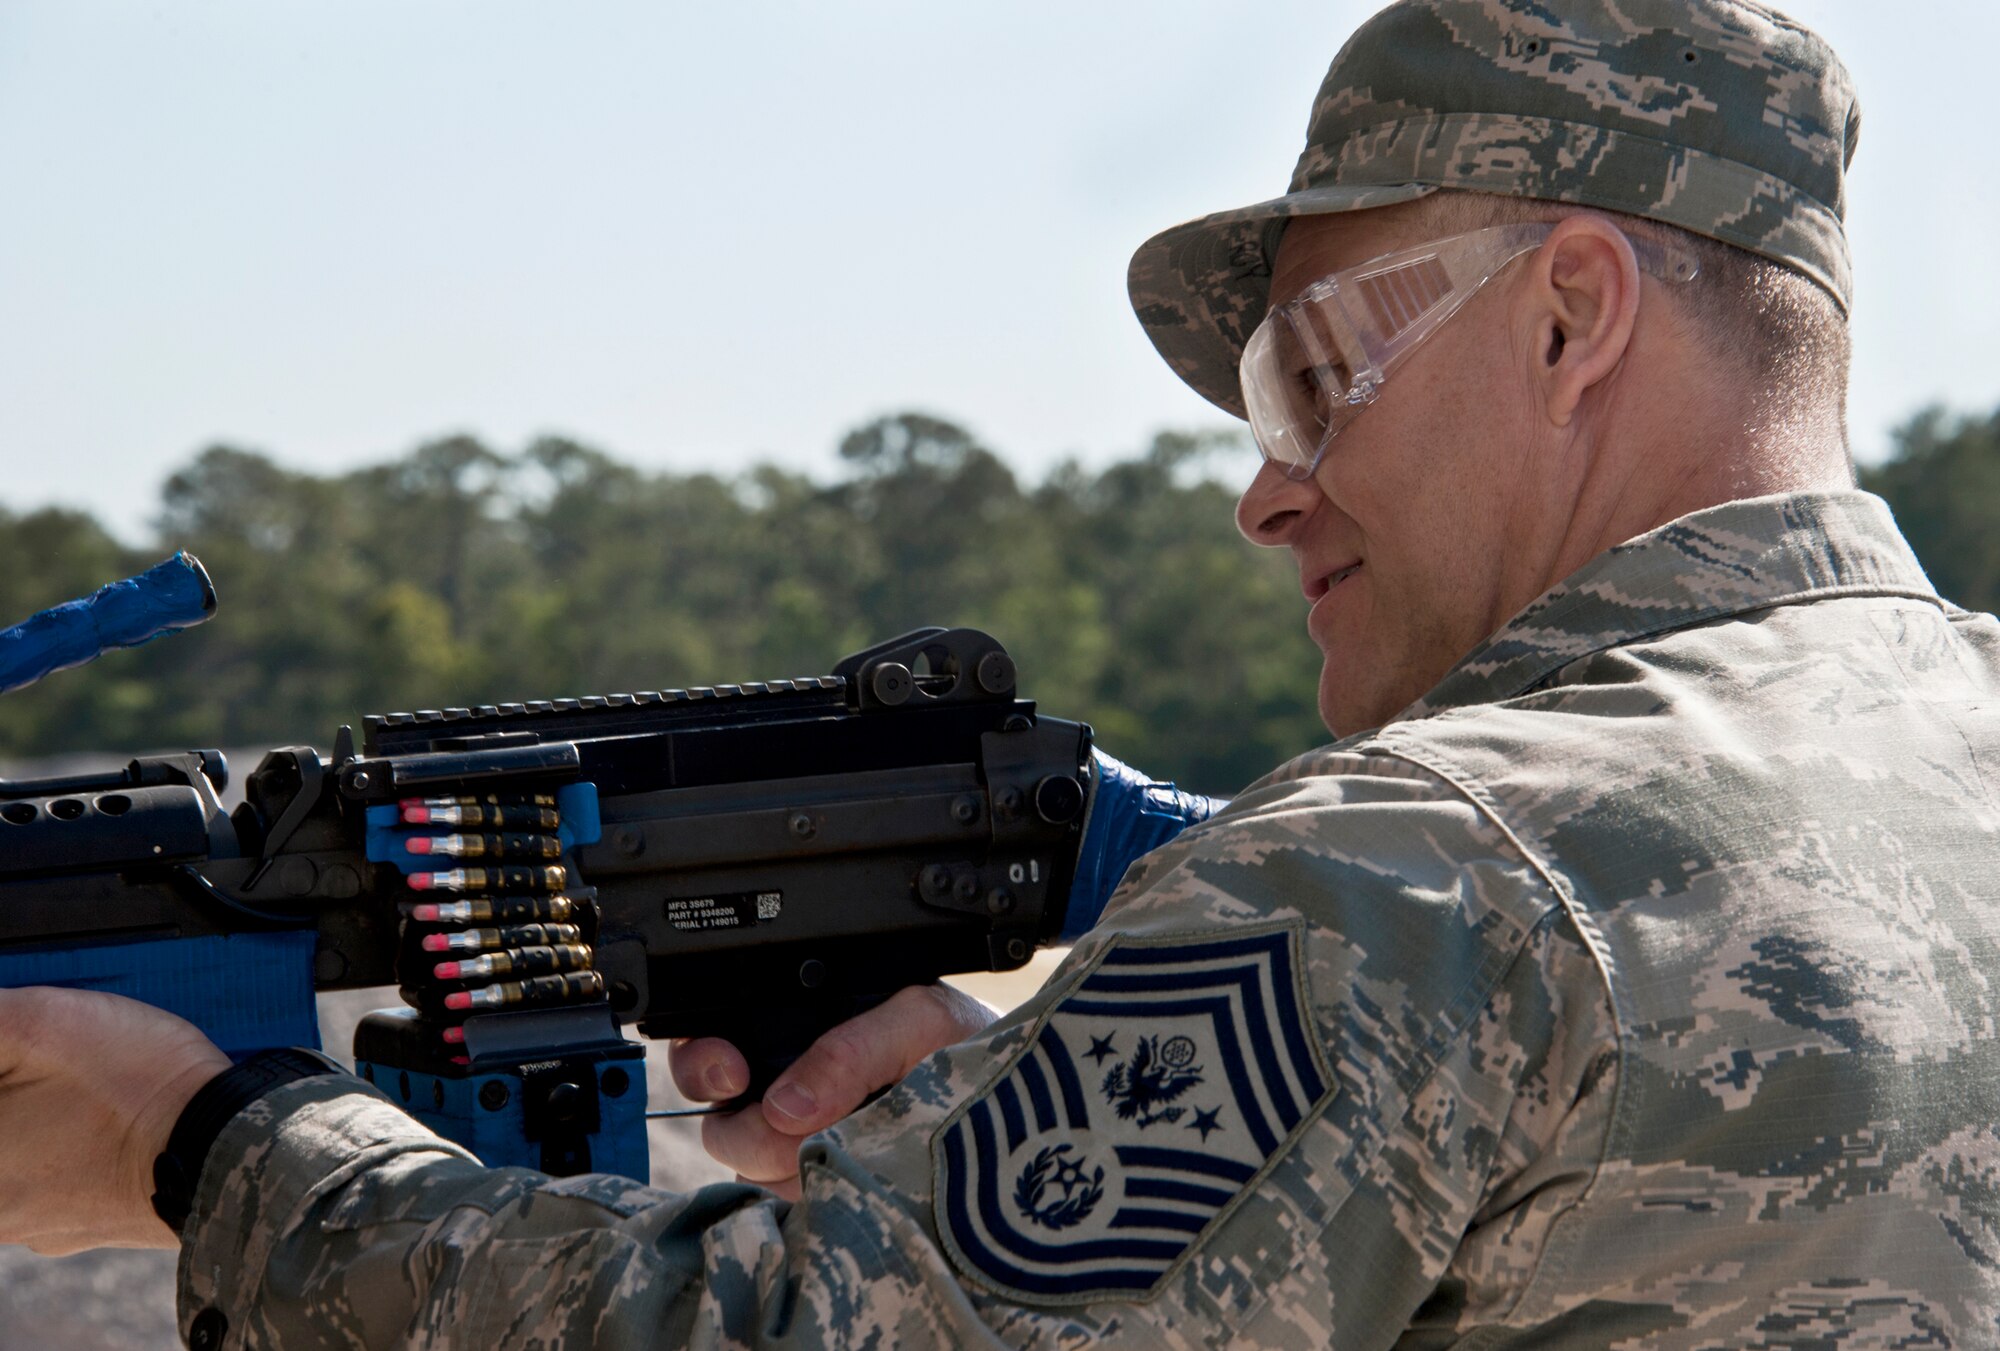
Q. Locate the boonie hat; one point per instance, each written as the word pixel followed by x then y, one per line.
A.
pixel 1722 117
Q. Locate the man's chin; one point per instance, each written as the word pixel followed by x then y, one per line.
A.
pixel 1349 703
pixel 1337 706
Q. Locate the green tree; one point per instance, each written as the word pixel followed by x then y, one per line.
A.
pixel 1210 678
pixel 1943 482
pixel 458 575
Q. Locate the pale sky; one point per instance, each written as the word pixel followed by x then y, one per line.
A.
pixel 708 235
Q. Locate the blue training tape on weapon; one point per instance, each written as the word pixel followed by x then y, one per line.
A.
pixel 578 804
pixel 1130 815
pixel 381 841
pixel 247 992
pixel 462 1108
pixel 165 598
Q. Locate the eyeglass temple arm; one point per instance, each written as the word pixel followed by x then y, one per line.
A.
pixel 1664 261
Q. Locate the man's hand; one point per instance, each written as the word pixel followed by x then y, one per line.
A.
pixel 90 1087
pixel 835 1076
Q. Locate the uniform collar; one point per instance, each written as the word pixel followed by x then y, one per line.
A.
pixel 1740 556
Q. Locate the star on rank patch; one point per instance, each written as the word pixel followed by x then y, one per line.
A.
pixel 1146 1102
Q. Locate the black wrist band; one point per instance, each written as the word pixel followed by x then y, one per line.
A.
pixel 178 1168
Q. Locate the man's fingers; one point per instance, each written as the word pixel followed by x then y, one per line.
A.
pixel 868 1052
pixel 839 1071
pixel 708 1069
pixel 745 1142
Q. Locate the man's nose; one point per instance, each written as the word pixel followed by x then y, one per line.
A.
pixel 1273 505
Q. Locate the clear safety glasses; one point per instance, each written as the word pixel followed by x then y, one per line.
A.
pixel 1317 361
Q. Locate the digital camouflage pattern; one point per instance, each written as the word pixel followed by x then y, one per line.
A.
pixel 1649 962
pixel 1717 116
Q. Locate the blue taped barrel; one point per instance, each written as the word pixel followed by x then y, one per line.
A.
pixel 165 598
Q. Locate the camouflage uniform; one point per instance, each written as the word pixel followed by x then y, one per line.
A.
pixel 1636 989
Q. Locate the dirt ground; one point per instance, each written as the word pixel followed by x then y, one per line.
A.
pixel 124 1301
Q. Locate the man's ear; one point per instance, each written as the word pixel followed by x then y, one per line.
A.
pixel 1585 301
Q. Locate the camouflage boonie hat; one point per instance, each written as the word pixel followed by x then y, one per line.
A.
pixel 1719 116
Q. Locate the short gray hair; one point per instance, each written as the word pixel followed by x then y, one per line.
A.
pixel 1781 330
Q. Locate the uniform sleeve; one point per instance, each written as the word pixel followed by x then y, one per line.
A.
pixel 1310 1057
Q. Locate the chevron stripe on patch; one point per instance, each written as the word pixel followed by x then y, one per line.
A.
pixel 1152 1096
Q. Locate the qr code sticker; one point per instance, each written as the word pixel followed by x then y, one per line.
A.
pixel 768 904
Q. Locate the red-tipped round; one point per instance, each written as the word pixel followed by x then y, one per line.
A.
pixel 461 1000
pixel 414 811
pixel 427 913
pixel 420 882
pixel 445 970
pixel 434 942
pixel 455 1035
pixel 418 844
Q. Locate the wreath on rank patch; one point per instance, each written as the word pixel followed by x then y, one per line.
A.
pixel 1048 1171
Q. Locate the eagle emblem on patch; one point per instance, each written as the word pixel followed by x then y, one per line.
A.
pixel 1144 1103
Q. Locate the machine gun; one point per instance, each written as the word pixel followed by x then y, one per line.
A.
pixel 756 862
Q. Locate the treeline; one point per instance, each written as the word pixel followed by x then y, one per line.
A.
pixel 461 575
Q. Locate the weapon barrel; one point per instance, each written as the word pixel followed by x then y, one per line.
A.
pixel 165 598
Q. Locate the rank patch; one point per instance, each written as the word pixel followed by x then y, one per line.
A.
pixel 1145 1103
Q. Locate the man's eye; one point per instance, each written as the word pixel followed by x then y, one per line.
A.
pixel 1322 384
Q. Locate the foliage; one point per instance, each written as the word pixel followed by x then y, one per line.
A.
pixel 461 575
pixel 1943 482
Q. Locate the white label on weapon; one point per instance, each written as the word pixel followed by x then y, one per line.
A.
pixel 735 911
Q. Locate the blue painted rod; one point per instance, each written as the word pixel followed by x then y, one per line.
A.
pixel 165 598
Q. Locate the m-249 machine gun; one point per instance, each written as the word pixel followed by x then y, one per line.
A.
pixel 756 862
